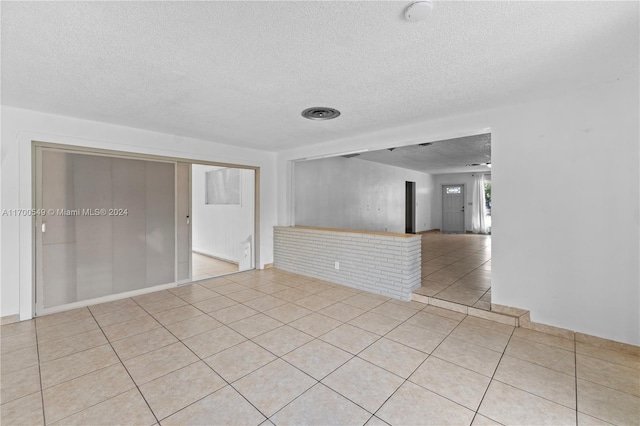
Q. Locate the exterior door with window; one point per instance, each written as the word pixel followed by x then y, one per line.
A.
pixel 453 209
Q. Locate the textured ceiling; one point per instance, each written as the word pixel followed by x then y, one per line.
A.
pixel 448 156
pixel 241 72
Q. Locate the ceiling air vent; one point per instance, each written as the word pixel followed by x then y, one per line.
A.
pixel 320 113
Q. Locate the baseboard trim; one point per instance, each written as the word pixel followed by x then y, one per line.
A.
pixel 215 257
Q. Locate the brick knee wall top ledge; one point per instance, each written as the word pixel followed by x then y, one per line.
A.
pixel 379 262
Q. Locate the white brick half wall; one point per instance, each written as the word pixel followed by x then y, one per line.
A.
pixel 386 264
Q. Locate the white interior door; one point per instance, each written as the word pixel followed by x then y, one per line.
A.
pixel 453 209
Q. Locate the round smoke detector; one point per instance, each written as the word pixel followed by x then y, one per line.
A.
pixel 418 11
pixel 320 113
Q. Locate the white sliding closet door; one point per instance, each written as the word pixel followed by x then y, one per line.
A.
pixel 110 226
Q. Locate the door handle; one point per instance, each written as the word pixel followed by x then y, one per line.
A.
pixel 44 227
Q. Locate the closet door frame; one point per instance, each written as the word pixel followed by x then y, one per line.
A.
pixel 37 220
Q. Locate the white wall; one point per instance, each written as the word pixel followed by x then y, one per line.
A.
pixel 566 242
pixel 218 230
pixel 20 127
pixel 465 179
pixel 350 193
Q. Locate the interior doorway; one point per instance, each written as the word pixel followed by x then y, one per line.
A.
pixel 453 197
pixel 410 207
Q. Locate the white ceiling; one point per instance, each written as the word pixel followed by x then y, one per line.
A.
pixel 241 72
pixel 448 156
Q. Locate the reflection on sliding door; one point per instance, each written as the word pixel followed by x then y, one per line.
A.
pixel 222 205
pixel 109 227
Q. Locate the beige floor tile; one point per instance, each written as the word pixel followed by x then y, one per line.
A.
pixel 546 356
pixel 375 421
pixel 80 342
pixel 17 341
pixel 468 355
pixel 321 406
pixel 154 296
pixel 365 301
pixel 540 381
pixel 193 326
pixel 291 294
pixel 587 420
pixel 509 405
pixel 394 357
pixel 245 295
pixel 375 323
pixel 315 324
pixel 127 408
pixel 19 383
pixel 214 341
pixel 239 360
pixel 230 288
pixel 349 338
pixel 174 391
pixel 163 304
pixel 176 315
pixel 62 317
pixel 199 296
pixel 458 384
pixel 24 411
pixel 255 325
pixel 544 338
pixel 317 358
pixel 116 305
pixel 395 311
pixel 273 386
pixel 416 337
pixel 481 336
pixel 213 283
pixel 490 325
pixel 314 302
pixel 121 315
pixel 282 340
pixel 414 405
pixel 187 289
pixel 288 312
pixel 338 294
pixel 616 357
pixel 270 288
pixel 139 344
pixel 233 313
pixel 363 383
pixel 15 328
pixel 608 404
pixel 60 331
pixel 76 365
pixel 265 303
pixel 130 328
pixel 17 360
pixel 433 322
pixel 342 312
pixel 78 394
pixel 214 304
pixel 480 420
pixel 224 407
pixel 154 364
pixel 608 374
pixel 458 316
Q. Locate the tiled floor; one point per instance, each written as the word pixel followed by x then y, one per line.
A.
pixel 457 268
pixel 271 345
pixel 208 267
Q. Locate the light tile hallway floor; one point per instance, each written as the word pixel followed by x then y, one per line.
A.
pixel 457 268
pixel 208 267
pixel 271 345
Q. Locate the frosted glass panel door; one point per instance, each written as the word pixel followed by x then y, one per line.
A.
pixel 109 228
